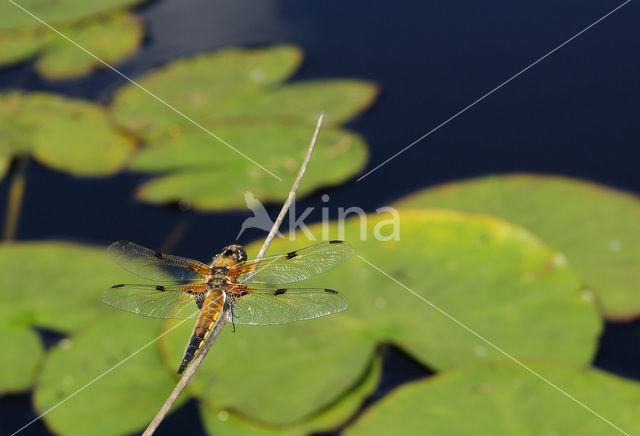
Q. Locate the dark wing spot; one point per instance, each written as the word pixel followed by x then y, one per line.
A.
pixel 331 291
pixel 291 255
pixel 336 241
pixel 116 286
pixel 160 288
pixel 279 291
pixel 158 254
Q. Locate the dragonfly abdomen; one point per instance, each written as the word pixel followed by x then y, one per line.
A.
pixel 213 305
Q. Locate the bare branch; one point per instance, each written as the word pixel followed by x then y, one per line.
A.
pixel 191 369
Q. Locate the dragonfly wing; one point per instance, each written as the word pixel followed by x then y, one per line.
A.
pixel 154 265
pixel 179 301
pixel 281 306
pixel 296 265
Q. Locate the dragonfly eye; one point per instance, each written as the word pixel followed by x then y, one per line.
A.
pixel 228 253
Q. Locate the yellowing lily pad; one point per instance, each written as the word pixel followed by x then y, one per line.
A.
pixel 507 399
pixel 66 134
pixel 130 384
pixel 594 226
pixel 238 95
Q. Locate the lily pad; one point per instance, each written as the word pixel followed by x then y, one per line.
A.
pixel 4 165
pixel 21 352
pixel 196 168
pixel 56 285
pixel 121 401
pixel 111 38
pixel 102 29
pixel 222 422
pixel 278 375
pixel 62 12
pixel 507 399
pixel 237 94
pixel 594 226
pixel 66 134
pixel 19 45
pixel 200 86
pixel 496 278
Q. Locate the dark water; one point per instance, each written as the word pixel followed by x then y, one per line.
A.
pixel 574 113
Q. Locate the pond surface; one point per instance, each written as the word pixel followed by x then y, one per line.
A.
pixel 574 113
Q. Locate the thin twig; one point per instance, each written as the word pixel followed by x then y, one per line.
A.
pixel 191 369
pixel 16 194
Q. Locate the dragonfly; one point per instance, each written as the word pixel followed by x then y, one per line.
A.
pixel 193 289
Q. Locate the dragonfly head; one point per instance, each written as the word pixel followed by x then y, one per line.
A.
pixel 231 255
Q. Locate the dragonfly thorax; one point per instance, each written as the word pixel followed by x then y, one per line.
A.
pixel 218 277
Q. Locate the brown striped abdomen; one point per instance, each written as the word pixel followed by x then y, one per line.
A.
pixel 211 309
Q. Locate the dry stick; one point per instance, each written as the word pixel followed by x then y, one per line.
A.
pixel 14 204
pixel 191 369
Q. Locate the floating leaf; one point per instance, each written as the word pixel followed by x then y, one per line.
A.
pixel 65 134
pixel 222 422
pixel 98 28
pixel 111 38
pixel 497 279
pixel 56 285
pixel 200 86
pixel 197 168
pixel 237 94
pixel 4 165
pixel 594 226
pixel 18 45
pixel 62 12
pixel 21 352
pixel 121 401
pixel 507 399
pixel 287 373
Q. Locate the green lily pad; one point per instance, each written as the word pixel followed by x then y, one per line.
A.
pixel 21 352
pixel 4 165
pixel 123 400
pixel 507 399
pixel 207 83
pixel 196 168
pixel 284 374
pixel 56 285
pixel 19 45
pixel 102 29
pixel 111 38
pixel 62 12
pixel 594 226
pixel 66 134
pixel 497 279
pixel 222 422
pixel 237 94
